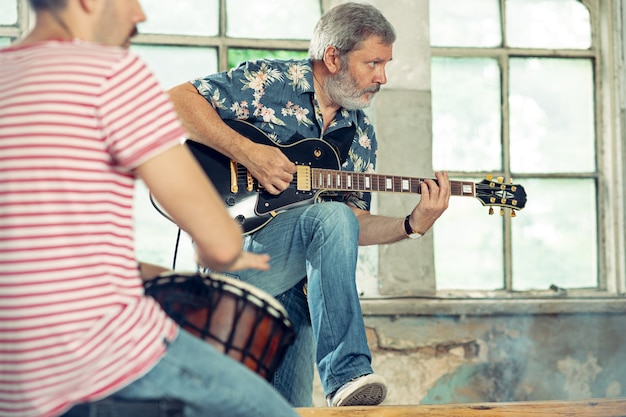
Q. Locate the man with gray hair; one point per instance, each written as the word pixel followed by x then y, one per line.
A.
pixel 288 101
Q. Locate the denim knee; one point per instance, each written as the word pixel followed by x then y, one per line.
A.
pixel 336 217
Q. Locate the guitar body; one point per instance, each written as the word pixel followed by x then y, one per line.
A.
pixel 245 199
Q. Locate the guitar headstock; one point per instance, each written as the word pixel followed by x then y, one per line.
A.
pixel 496 193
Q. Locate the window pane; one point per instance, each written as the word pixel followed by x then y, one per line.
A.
pixel 466 131
pixel 181 17
pixel 278 19
pixel 465 23
pixel 552 115
pixel 236 56
pixel 176 64
pixel 555 237
pixel 548 24
pixel 155 236
pixel 468 247
pixel 8 16
pixel 5 42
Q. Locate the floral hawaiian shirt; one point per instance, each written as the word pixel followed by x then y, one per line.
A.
pixel 278 97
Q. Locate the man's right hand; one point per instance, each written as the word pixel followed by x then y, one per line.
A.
pixel 270 167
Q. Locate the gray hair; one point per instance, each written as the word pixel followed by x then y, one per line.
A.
pixel 347 25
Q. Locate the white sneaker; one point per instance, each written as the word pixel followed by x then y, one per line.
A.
pixel 365 390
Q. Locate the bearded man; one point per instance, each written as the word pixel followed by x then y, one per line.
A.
pixel 288 102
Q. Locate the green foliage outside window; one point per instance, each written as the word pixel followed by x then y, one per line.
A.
pixel 236 56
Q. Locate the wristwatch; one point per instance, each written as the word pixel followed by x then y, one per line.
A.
pixel 411 234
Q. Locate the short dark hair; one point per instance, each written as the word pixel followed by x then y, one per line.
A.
pixel 47 4
pixel 347 25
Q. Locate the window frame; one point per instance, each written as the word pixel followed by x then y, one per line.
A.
pixel 24 20
pixel 607 284
pixel 221 42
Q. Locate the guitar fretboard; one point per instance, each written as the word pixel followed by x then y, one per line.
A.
pixel 334 180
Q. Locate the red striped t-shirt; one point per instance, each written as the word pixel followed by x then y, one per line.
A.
pixel 75 120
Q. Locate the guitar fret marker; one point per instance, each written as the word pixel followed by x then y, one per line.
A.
pixel 405 184
pixel 367 183
pixel 389 183
pixel 349 181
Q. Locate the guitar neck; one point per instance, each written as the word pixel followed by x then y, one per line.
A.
pixel 335 180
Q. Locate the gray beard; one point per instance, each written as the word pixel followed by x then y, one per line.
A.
pixel 344 91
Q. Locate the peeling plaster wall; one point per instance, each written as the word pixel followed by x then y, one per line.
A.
pixel 446 360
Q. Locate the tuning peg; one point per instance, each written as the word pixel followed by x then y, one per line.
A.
pixel 510 180
pixel 490 211
pixel 500 180
pixel 501 211
pixel 489 177
pixel 513 214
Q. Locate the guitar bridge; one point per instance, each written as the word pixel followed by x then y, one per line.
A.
pixel 234 188
pixel 303 182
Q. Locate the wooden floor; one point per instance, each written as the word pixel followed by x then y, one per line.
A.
pixel 588 408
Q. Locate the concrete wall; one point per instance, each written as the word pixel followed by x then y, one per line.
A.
pixel 456 359
pixel 442 360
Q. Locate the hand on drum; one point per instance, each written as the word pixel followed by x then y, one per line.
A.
pixel 249 260
pixel 246 260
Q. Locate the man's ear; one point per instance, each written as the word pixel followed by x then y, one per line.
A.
pixel 332 60
pixel 88 5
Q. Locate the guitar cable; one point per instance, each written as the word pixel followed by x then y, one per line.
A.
pixel 178 233
pixel 176 250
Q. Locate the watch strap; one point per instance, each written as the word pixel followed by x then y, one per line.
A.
pixel 409 230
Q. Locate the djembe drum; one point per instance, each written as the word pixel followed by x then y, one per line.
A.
pixel 237 318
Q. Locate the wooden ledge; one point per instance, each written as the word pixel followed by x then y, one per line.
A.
pixel 587 408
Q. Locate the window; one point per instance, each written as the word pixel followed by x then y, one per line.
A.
pixel 13 20
pixel 525 89
pixel 9 12
pixel 515 93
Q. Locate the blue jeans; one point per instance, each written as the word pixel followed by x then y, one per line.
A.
pixel 208 382
pixel 294 378
pixel 319 241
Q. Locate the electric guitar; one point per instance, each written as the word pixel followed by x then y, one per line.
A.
pixel 318 171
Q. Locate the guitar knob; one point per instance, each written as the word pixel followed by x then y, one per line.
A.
pixel 230 201
pixel 240 219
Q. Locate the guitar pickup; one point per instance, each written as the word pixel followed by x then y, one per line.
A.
pixel 249 182
pixel 303 180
